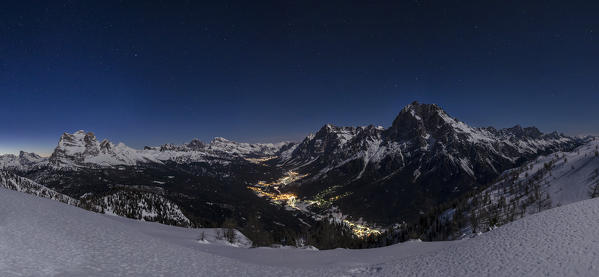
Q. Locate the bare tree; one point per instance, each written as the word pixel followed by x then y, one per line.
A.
pixel 474 221
pixel 594 190
pixel 219 234
pixel 229 230
pixel 544 202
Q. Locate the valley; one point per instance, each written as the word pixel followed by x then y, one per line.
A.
pixel 356 182
pixel 272 191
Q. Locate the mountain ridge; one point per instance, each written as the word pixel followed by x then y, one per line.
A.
pixel 425 153
pixel 370 174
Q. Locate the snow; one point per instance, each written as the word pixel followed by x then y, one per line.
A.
pixel 505 136
pixel 465 164
pixel 413 113
pixel 41 237
pixel 570 181
pixel 288 154
pixel 557 242
pixel 417 174
pixel 475 135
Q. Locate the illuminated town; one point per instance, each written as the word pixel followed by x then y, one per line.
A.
pixel 323 200
pixel 361 230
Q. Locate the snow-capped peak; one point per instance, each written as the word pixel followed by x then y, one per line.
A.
pixel 82 148
pixel 219 140
pixel 424 145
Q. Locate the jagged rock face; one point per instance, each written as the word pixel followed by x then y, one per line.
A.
pixel 415 121
pixel 196 145
pixel 332 145
pixel 424 158
pixel 82 149
pixel 74 147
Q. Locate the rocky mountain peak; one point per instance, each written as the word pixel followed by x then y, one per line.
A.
pixel 328 129
pixel 90 138
pixel 76 138
pixel 518 131
pixel 418 120
pixel 219 140
pixel 196 145
pixel 28 159
pixel 29 156
pixel 106 146
pixel 83 147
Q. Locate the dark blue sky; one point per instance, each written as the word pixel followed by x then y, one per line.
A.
pixel 168 71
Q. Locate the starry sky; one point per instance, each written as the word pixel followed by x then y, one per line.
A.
pixel 154 72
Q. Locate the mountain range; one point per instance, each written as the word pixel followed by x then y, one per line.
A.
pixel 363 176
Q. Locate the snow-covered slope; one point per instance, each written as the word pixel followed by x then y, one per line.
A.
pixel 557 242
pixel 565 176
pixel 11 181
pixel 145 206
pixel 41 237
pixel 549 181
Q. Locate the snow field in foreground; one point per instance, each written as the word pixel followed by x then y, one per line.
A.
pixel 41 237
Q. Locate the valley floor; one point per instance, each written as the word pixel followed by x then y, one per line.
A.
pixel 42 237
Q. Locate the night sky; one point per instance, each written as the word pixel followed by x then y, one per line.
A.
pixel 168 71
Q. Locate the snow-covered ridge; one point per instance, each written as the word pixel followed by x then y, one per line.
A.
pixel 82 149
pixel 223 145
pixel 13 182
pixel 528 137
pixel 143 206
pixel 22 162
pixel 139 205
pixel 419 128
pixel 567 177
